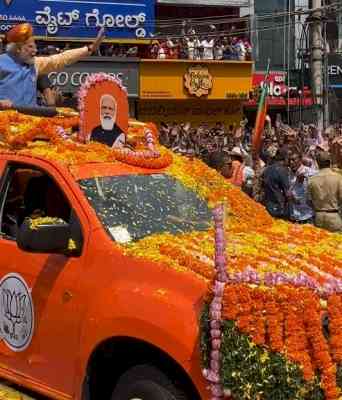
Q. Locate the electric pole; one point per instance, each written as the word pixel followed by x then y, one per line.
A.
pixel 317 59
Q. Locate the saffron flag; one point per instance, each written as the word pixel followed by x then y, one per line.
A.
pixel 261 116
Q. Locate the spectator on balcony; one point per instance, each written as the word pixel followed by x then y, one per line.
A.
pixel 162 51
pixel 228 50
pixel 240 49
pixel 154 50
pixel 132 52
pixel 183 49
pixel 218 50
pixel 207 46
pixel 248 49
pixel 192 45
pixel 172 48
pixel 109 51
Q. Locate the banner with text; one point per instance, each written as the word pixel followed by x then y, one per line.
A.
pixel 82 18
pixel 73 76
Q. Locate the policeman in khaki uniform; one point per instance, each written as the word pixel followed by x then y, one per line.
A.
pixel 325 192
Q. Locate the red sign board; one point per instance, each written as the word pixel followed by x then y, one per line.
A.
pixel 278 91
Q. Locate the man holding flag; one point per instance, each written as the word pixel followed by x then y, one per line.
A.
pixel 274 180
pixel 257 136
pixel 261 117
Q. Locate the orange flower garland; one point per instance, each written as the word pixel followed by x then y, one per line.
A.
pixel 258 332
pixel 320 348
pixel 182 258
pixel 33 128
pixel 143 160
pixel 275 323
pixel 296 343
pixel 19 129
pixel 335 326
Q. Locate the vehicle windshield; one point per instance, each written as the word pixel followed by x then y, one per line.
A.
pixel 134 206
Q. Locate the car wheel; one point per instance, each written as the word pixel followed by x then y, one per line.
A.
pixel 145 382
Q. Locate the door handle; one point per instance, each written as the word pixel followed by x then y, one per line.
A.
pixel 67 296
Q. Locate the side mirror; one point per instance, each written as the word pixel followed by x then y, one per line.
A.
pixel 44 235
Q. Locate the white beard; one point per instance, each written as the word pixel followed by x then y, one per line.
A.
pixel 27 60
pixel 107 123
pixel 30 61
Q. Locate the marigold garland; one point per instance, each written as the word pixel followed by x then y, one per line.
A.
pixel 335 326
pixel 320 348
pixel 275 323
pixel 54 131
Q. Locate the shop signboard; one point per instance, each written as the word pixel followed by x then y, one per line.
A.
pixel 335 73
pixel 70 79
pixel 205 80
pixel 278 91
pixel 82 18
pixel 193 111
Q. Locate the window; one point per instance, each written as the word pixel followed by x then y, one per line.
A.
pixel 29 192
pixel 135 206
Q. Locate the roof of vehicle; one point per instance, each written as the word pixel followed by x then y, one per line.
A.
pixel 53 140
pixel 92 170
pixel 85 169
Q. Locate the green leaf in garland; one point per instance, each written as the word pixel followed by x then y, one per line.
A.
pixel 205 336
pixel 252 372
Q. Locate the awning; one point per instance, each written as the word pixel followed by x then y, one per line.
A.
pixel 222 3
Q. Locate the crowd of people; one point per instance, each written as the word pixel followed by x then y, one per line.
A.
pixel 291 175
pixel 203 48
pixel 194 47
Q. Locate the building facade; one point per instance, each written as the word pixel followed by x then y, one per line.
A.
pixel 273 34
pixel 179 91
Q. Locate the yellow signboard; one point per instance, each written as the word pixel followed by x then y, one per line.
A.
pixel 195 111
pixel 186 79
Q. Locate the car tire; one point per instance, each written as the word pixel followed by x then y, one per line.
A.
pixel 145 382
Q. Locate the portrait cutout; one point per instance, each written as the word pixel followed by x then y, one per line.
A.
pixel 106 114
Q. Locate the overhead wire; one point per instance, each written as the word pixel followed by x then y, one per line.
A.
pixel 212 20
pixel 208 21
pixel 234 18
pixel 231 17
pixel 221 33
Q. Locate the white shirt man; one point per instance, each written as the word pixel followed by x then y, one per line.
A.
pixel 192 48
pixel 208 49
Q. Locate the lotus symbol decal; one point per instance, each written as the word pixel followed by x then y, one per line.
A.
pixel 16 312
pixel 14 309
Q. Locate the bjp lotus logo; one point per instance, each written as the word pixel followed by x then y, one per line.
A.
pixel 16 312
pixel 15 309
pixel 8 2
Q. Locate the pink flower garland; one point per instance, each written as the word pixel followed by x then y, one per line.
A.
pixel 62 133
pixel 150 141
pixel 215 312
pixel 251 276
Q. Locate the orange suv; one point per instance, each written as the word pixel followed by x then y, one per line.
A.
pixel 79 317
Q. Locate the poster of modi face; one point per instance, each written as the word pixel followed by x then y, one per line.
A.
pixel 105 114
